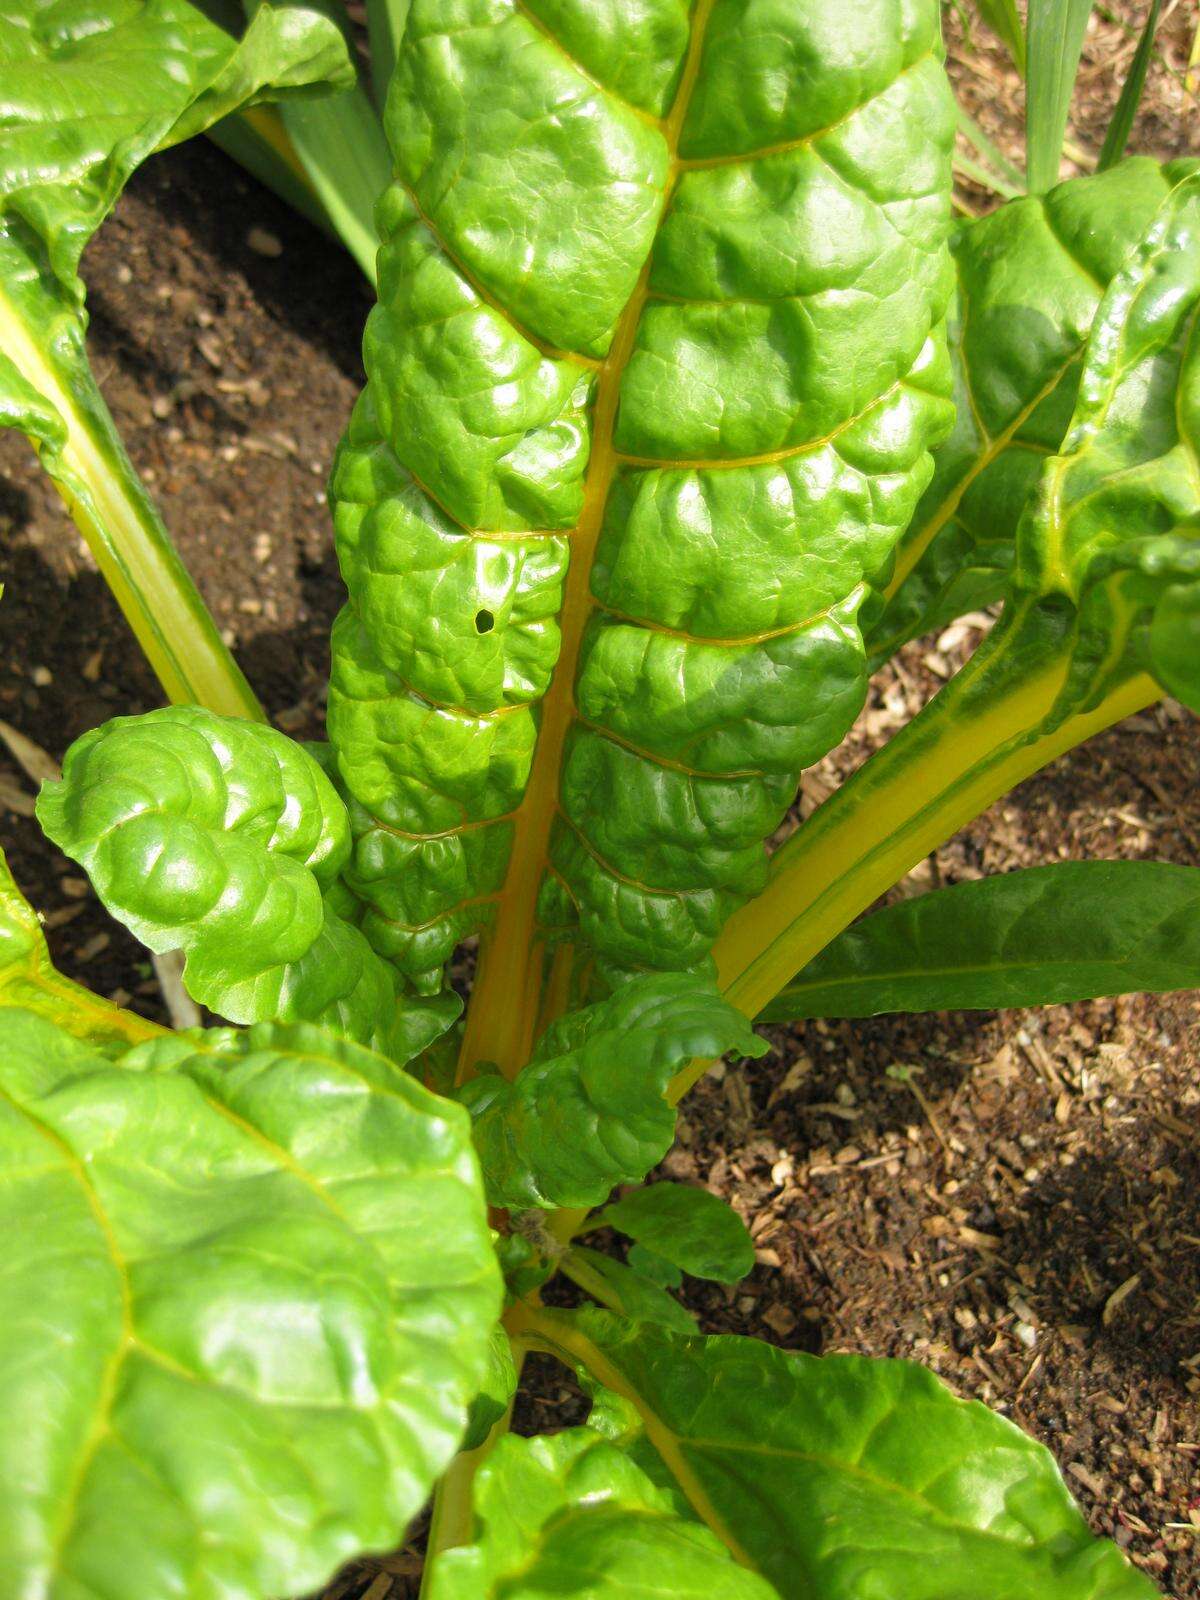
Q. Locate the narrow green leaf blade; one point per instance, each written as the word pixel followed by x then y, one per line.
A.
pixel 1043 936
pixel 225 839
pixel 247 1296
pixel 839 1476
pixel 1130 98
pixel 589 1112
pixel 385 29
pixel 691 1227
pixel 574 1515
pixel 339 142
pixel 1055 42
pixel 1004 20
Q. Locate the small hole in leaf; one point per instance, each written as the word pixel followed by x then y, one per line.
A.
pixel 484 622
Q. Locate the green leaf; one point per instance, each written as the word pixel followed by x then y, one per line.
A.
pixel 623 1289
pixel 588 1112
pixel 1044 936
pixel 1121 125
pixel 247 1295
pixel 599 332
pixel 1004 20
pixel 1055 31
pixel 648 1265
pixel 689 1227
pixel 90 92
pixel 339 143
pixel 28 980
pixel 385 28
pixel 1114 533
pixel 572 1514
pixel 837 1477
pixel 495 1393
pixel 224 839
pixel 1030 279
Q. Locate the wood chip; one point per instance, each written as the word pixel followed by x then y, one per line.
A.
pixel 35 762
pixel 15 799
pixel 1118 1297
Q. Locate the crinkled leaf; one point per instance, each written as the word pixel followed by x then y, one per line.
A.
pixel 588 1112
pixel 28 979
pixel 224 839
pixel 87 92
pixel 694 1229
pixel 626 1290
pixel 838 1477
pixel 604 331
pixel 1043 936
pixel 573 1514
pixel 247 1295
pixel 1030 278
pixel 1115 529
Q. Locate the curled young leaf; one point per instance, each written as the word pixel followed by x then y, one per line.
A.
pixel 840 1476
pixel 573 1514
pixel 224 839
pixel 247 1296
pixel 588 1112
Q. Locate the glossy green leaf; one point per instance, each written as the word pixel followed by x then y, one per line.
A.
pixel 572 1514
pixel 87 92
pixel 690 1227
pixel 837 1477
pixel 1115 530
pixel 1030 279
pixel 602 331
pixel 247 1294
pixel 588 1111
pixel 1044 936
pixel 623 1289
pixel 224 839
pixel 1054 35
pixel 1121 124
pixel 29 980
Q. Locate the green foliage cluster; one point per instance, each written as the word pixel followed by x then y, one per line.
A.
pixel 687 404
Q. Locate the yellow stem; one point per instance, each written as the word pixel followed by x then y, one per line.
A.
pixel 505 1002
pixel 975 741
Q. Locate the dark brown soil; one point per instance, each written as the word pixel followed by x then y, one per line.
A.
pixel 1010 1198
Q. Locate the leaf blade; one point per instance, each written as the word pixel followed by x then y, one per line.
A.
pixel 690 1227
pixel 1042 936
pixel 837 1475
pixel 1055 43
pixel 237 1243
pixel 1121 124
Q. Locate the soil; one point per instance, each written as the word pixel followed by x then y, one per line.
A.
pixel 1012 1198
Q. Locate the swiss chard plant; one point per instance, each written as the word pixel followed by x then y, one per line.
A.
pixel 685 405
